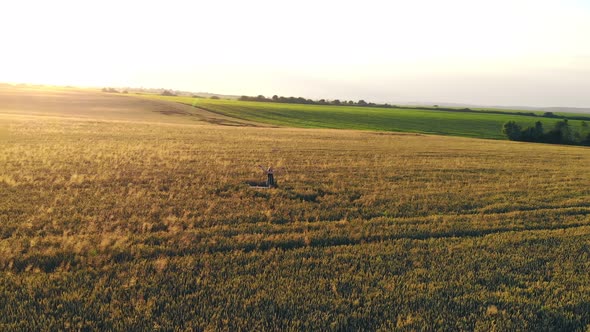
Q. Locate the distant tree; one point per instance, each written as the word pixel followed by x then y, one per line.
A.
pixel 532 134
pixel 560 134
pixel 214 97
pixel 167 93
pixel 577 136
pixel 275 98
pixel 549 115
pixel 512 130
pixel 362 103
pixel 538 131
pixel 336 102
pixel 350 102
pixel 565 131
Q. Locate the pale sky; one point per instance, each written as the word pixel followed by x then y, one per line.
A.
pixel 502 52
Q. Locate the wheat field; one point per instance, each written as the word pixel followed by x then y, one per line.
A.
pixel 124 223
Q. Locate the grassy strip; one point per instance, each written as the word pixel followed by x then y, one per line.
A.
pixel 476 124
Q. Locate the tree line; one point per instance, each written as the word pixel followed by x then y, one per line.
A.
pixel 561 133
pixel 301 100
pixel 112 90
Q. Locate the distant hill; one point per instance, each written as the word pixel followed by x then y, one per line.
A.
pixel 555 109
pixel 566 109
pixel 179 93
pixel 454 122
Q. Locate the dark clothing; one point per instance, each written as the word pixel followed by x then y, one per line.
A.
pixel 271 180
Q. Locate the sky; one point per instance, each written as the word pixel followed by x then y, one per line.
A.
pixel 502 52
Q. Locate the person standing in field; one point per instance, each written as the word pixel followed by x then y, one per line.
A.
pixel 270 181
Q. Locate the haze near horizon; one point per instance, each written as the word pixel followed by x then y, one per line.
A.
pixel 532 53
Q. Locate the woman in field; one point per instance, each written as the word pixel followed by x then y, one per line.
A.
pixel 270 181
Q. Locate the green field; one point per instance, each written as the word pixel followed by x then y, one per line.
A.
pixel 479 125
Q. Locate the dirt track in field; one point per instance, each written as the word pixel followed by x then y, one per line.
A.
pixel 93 104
